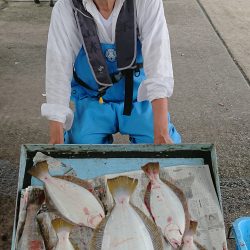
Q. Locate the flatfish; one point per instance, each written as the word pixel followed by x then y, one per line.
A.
pixel 44 218
pixel 22 213
pixel 188 239
pixel 165 206
pixel 73 202
pixel 62 229
pixel 31 238
pixel 126 227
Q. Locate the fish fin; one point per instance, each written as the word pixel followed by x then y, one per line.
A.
pixel 199 246
pixel 77 181
pixel 96 240
pixel 193 226
pixel 123 183
pixel 61 225
pixel 151 166
pixel 40 169
pixel 83 183
pixel 180 194
pixel 147 198
pixel 153 230
pixel 192 230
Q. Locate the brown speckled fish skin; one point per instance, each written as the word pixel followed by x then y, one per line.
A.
pixel 199 246
pixel 22 214
pixel 80 237
pixel 96 241
pixel 44 220
pixel 31 238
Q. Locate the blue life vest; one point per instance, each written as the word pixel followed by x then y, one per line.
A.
pixel 116 92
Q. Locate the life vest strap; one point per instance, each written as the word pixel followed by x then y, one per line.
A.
pixel 129 82
pixel 115 79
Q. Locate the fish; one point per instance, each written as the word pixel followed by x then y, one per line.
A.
pixel 22 214
pixel 31 238
pixel 188 239
pixel 44 218
pixel 73 202
pixel 169 210
pixel 62 229
pixel 126 227
pixel 80 237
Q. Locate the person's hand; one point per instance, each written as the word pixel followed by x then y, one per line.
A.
pixel 56 132
pixel 160 139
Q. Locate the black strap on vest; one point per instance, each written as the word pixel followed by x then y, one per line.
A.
pixel 114 77
pixel 128 91
pixel 126 36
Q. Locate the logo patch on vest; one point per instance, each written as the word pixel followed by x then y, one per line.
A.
pixel 110 55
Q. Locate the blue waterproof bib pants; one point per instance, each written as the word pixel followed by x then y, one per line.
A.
pixel 94 123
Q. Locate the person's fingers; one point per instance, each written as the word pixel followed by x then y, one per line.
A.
pixel 162 140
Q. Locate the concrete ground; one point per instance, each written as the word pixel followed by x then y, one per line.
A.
pixel 210 102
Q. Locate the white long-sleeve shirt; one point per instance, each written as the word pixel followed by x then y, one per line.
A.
pixel 64 44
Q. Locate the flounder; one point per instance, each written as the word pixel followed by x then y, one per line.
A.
pixel 168 209
pixel 44 218
pixel 62 229
pixel 126 228
pixel 73 202
pixel 188 239
pixel 31 238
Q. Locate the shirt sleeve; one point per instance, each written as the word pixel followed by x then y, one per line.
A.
pixel 62 47
pixel 156 52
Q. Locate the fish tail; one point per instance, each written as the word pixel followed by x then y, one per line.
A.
pixel 60 224
pixel 151 168
pixel 122 185
pixel 193 226
pixel 39 170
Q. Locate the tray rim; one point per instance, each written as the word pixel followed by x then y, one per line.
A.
pixel 93 150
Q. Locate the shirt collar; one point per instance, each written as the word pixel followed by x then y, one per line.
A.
pixel 89 2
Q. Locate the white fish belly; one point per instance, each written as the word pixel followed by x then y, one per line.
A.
pixel 126 231
pixel 167 209
pixel 74 202
pixel 189 247
pixel 189 243
pixel 64 245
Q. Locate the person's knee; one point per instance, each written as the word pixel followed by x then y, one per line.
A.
pixel 141 139
pixel 89 139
